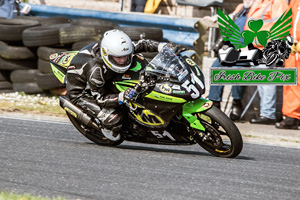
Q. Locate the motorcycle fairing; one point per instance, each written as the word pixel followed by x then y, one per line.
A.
pixel 60 62
pixel 59 72
pixel 165 110
pixel 146 117
pixel 63 59
pixel 123 85
pixel 196 106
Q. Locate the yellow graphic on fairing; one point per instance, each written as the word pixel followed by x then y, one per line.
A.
pixel 59 75
pixel 147 117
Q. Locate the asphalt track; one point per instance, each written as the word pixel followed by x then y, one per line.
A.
pixel 53 159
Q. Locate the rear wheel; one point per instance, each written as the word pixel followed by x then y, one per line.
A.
pixel 91 134
pixel 221 137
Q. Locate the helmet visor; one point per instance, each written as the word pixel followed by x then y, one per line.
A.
pixel 121 61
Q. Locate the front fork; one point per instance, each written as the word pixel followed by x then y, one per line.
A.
pixel 196 106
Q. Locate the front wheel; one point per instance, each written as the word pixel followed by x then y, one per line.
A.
pixel 221 136
pixel 91 134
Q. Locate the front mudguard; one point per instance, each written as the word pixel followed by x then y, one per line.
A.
pixel 196 106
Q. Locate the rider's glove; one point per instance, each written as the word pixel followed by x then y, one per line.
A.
pixel 128 95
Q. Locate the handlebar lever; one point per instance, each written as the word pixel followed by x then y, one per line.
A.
pixel 130 107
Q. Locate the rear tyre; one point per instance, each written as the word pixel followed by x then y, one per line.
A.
pixel 92 135
pixel 223 137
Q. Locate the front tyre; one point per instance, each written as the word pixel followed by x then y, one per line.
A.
pixel 221 137
pixel 91 134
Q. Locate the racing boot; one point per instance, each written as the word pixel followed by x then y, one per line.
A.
pixel 111 123
pixel 237 109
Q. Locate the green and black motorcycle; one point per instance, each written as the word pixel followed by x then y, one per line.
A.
pixel 168 110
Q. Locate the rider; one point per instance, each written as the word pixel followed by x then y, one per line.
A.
pixel 95 66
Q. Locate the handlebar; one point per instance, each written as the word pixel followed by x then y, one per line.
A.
pixel 146 81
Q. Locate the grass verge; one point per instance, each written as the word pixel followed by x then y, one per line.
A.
pixel 31 104
pixel 12 196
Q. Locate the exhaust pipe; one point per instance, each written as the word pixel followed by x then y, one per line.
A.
pixel 77 113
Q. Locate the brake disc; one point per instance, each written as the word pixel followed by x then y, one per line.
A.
pixel 211 136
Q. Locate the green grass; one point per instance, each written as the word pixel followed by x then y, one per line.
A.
pixel 12 196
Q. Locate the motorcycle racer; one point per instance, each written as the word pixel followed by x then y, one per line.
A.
pixel 168 109
pixel 94 67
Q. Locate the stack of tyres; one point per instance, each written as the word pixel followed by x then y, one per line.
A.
pixel 5 83
pixel 13 55
pixel 85 31
pixel 45 38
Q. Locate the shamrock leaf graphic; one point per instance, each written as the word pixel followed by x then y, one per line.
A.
pixel 250 36
pixel 263 36
pixel 231 32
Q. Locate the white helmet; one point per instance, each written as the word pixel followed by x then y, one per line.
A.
pixel 116 43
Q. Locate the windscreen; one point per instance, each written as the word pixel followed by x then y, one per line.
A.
pixel 167 63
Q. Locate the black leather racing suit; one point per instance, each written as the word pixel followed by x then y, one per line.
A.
pixel 87 71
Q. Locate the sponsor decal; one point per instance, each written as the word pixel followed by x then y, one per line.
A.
pixel 190 62
pixel 176 87
pixel 57 59
pixel 140 57
pixel 123 41
pixel 70 111
pixel 65 59
pixel 165 89
pixel 178 92
pixel 198 70
pixel 126 77
pixel 182 75
pixel 53 56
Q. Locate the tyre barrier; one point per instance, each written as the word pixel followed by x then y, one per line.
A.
pixel 28 41
pixel 190 32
